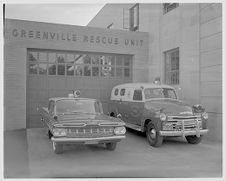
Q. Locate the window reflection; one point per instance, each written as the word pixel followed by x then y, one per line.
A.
pixel 60 58
pixel 42 68
pixel 42 56
pixel 61 69
pixel 70 70
pixel 70 58
pixel 52 57
pixel 87 70
pixel 32 56
pixel 33 68
pixel 95 71
pixel 52 69
pixel 78 70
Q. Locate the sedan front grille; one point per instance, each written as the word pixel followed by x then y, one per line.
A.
pixel 90 132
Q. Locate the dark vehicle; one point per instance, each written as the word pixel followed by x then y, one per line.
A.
pixel 156 110
pixel 74 120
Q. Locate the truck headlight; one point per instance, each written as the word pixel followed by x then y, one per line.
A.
pixel 162 116
pixel 59 132
pixel 120 130
pixel 205 115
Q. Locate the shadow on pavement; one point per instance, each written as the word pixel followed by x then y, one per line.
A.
pixel 16 164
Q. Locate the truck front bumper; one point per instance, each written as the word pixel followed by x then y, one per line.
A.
pixel 88 140
pixel 184 132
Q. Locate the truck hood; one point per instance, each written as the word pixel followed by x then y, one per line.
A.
pixel 88 119
pixel 169 106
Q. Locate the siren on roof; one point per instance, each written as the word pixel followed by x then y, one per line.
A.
pixel 157 80
pixel 74 94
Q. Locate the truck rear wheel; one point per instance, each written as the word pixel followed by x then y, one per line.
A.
pixel 153 137
pixel 57 148
pixel 193 139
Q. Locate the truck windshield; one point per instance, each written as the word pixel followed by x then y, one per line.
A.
pixel 152 93
pixel 78 106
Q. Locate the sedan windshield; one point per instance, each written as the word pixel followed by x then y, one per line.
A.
pixel 151 93
pixel 78 106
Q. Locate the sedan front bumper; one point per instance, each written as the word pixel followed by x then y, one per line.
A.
pixel 184 132
pixel 88 140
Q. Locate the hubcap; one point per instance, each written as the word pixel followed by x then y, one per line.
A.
pixel 153 134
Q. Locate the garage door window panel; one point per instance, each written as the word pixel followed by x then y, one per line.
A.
pixel 42 69
pixel 52 57
pixel 70 69
pixel 87 70
pixel 79 59
pixel 61 69
pixel 52 69
pixel 87 59
pixel 119 60
pixel 78 70
pixel 42 57
pixel 118 72
pixel 95 59
pixel 70 58
pixel 95 71
pixel 33 68
pixel 33 56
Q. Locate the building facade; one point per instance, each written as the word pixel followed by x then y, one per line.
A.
pixel 43 60
pixel 185 49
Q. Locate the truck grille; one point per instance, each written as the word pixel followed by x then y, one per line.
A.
pixel 91 132
pixel 190 122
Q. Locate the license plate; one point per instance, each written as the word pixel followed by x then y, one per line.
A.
pixel 91 142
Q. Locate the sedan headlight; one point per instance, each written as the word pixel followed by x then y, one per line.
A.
pixel 120 130
pixel 205 115
pixel 162 116
pixel 59 132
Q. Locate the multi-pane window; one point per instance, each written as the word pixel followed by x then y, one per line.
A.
pixel 169 6
pixel 172 66
pixel 53 63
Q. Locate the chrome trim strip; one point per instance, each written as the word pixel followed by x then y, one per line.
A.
pixel 63 139
pixel 71 125
pixel 183 133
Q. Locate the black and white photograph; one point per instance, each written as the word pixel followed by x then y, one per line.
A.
pixel 110 90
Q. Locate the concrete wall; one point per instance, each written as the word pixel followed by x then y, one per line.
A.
pixel 211 66
pixel 20 35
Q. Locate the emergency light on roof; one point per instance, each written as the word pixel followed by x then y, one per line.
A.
pixel 74 94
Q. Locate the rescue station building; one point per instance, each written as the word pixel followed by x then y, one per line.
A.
pixel 178 44
pixel 44 60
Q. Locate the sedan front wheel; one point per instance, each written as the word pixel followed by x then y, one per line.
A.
pixel 57 148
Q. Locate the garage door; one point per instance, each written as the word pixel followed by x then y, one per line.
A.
pixel 57 73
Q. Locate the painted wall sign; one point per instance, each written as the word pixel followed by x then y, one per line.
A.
pixel 75 37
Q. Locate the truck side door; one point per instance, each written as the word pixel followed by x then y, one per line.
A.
pixel 136 107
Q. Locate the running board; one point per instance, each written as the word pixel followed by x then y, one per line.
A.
pixel 133 126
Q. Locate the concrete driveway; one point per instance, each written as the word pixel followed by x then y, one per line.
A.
pixel 29 154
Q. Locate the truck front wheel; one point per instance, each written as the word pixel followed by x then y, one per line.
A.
pixel 193 139
pixel 153 137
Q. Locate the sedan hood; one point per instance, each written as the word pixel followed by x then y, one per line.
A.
pixel 88 119
pixel 169 106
